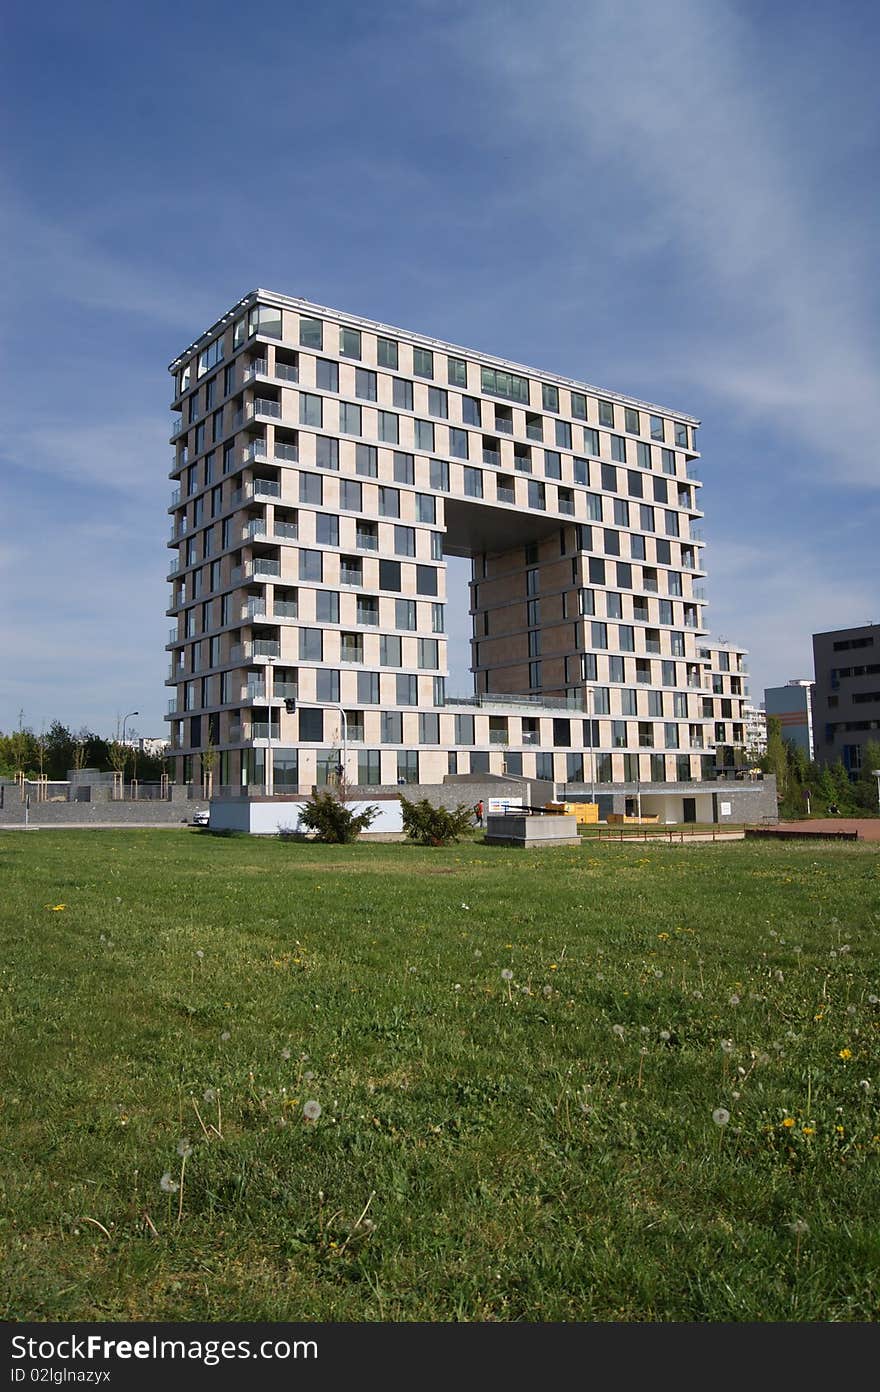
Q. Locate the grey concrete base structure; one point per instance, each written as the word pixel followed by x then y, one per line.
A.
pixel 100 811
pixel 546 830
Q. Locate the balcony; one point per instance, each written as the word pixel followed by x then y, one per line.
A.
pixel 504 427
pixel 254 691
pixel 286 372
pixel 566 507
pixel 288 453
pixel 258 368
pixel 174 565
pixel 266 488
pixel 492 457
pixel 288 530
pixel 652 646
pixel 264 567
pixel 261 729
pixel 255 450
pixel 285 609
pixel 172 706
pixel 261 406
pixel 506 495
pixel 255 528
pixel 499 737
pixel 175 498
pixel 176 427
pixel 254 609
pixel 265 647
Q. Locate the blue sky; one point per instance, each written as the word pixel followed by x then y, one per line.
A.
pixel 676 199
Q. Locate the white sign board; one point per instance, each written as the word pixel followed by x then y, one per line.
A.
pixel 500 805
pixel 724 809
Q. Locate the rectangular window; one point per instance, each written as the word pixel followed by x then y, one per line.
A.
pixel 609 478
pixel 311 645
pixel 311 489
pixel 349 418
pixel 596 571
pixel 563 434
pixel 667 461
pixel 643 454
pixel 438 477
pixel 310 410
pixel 351 495
pixel 424 434
pixel 364 384
pixel 428 654
pixel 438 402
pixel 326 606
pixel 386 352
pixel 311 565
pixel 326 686
pixel 404 613
pixel 389 576
pixel 470 410
pixel 535 679
pixel 606 413
pixel 656 427
pixel 458 443
pixel 598 634
pixel 366 460
pixel 423 362
pixel 618 448
pixel 311 333
pixel 404 541
pixel 611 544
pixel 456 372
pixel 426 507
pixel 311 725
pixel 506 384
pixel 367 610
pixel 349 343
pixel 326 375
pixel 621 512
pixel 404 468
pixel 388 428
pixel 390 650
pixel 391 727
pixel 351 570
pixel 631 423
pixel 582 471
pixel 407 689
pixel 327 529
pixel 389 501
pixel 473 483
pixel 426 580
pixel 552 464
pixel 429 728
pixel 537 496
pixel 402 394
pixel 549 397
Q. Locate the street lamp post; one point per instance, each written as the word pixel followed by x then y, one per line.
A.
pixel 344 765
pixel 876 773
pixel 124 719
pixel 588 692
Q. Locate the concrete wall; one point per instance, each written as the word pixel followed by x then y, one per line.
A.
pixel 99 811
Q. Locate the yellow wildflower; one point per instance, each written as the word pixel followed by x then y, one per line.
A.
pixel 788 1122
pixel 845 1054
pixel 809 1130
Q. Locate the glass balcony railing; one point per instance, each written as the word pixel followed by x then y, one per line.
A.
pixel 266 488
pixel 265 567
pixel 289 453
pixel 263 407
pixel 288 530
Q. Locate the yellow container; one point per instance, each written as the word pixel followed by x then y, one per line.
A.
pixel 585 812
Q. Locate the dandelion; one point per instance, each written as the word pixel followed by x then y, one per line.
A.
pixel 56 908
pixel 799 1227
pixel 618 1030
pixel 844 1054
pixel 665 1036
pixel 199 953
pixel 553 967
pixel 210 1094
pixel 184 1147
pixel 845 948
pixel 307 1077
pixel 874 1000
pixel 850 1010
pixel 727 1046
pixel 734 1000
pixel 865 1085
pixel 808 1130
pixel 457 986
pixel 225 1035
pixel 506 974
pixel 788 1122
pixel 311 1110
pixel 721 1116
pixel 167 1184
pixel 477 952
pixel 285 1054
pixel 779 976
pixel 546 992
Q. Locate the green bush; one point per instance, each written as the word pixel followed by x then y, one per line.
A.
pixel 434 826
pixel 331 820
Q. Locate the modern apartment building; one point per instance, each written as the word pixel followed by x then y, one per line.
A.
pixel 846 698
pixel 792 705
pixel 724 702
pixel 755 718
pixel 327 464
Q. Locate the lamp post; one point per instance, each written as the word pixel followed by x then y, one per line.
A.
pixel 270 692
pixel 876 773
pixel 343 766
pixel 124 719
pixel 588 692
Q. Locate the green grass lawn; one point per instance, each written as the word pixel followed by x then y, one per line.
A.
pixel 517 1057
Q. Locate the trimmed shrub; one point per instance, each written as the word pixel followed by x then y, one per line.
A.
pixel 332 821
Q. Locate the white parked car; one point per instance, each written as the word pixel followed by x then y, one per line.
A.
pixel 201 817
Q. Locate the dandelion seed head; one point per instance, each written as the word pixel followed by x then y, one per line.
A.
pixel 199 953
pixel 210 1094
pixel 457 986
pixel 618 1030
pixel 311 1110
pixel 865 1085
pixel 307 1077
pixel 736 1096
pixel 506 974
pixel 547 992
pixel 799 1226
pixel 477 952
pixel 844 949
pixel 734 1000
pixel 874 1000
pixel 285 1054
pixel 465 906
pixel 665 1036
pixel 721 1116
pixel 727 1046
pixel 167 1184
pixel 184 1147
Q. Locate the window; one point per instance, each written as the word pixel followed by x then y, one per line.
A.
pixel 596 571
pixel 368 610
pixel 390 650
pixel 643 454
pixel 552 464
pixel 470 410
pixel 631 423
pixel 426 507
pixel 326 452
pixel 351 647
pixel 311 333
pixel 364 384
pixel 351 495
pixel 423 362
pixel 473 483
pixel 535 678
pixel 424 434
pixel 661 492
pixel 671 523
pixel 506 384
pixel 389 501
pixel 404 468
pixel 606 413
pixel 591 440
pixel 349 343
pixel 326 375
pixel 578 405
pixel 311 489
pixel 656 427
pixel 351 570
pixel 408 766
pixel 629 701
pixel 369 763
pixel 404 541
pixel 311 646
pixel 458 443
pixel 426 580
pixel 621 512
pixel 563 434
pixel 634 484
pixel 389 576
pixel 310 410
pixel 311 724
pixel 609 478
pixel 388 428
pixel 429 728
pixel 464 729
pixel 349 418
pixel 386 352
pixel 618 449
pixel 582 471
pixel 405 613
pixel 407 689
pixel 611 544
pixel 626 638
pixel 614 605
pixel 310 565
pixel 326 529
pixel 681 435
pixel 537 495
pixel 588 602
pixel 391 727
pixel 456 372
pixel 439 478
pixel 544 765
pixel 366 460
pixel 402 394
pixel 326 606
pixel 667 461
pixel 646 517
pixel 326 685
pixel 549 397
pixel 598 634
pixel 438 402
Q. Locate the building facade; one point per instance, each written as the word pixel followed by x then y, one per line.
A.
pixel 724 704
pixel 846 698
pixel 325 465
pixel 755 718
pixel 792 705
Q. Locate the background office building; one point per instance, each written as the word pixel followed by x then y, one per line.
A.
pixel 325 467
pixel 724 702
pixel 846 699
pixel 792 704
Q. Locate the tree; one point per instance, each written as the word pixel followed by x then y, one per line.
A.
pixel 865 787
pixel 434 826
pixel 327 815
pixel 775 760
